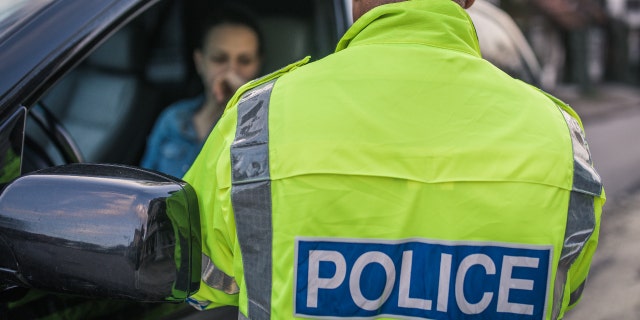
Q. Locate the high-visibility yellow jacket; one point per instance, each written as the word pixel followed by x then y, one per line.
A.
pixel 402 176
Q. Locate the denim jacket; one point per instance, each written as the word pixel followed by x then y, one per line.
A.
pixel 173 144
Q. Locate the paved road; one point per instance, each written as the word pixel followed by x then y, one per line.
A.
pixel 615 147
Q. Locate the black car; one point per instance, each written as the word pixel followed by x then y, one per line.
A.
pixel 81 84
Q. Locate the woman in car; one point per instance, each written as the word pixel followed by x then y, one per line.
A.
pixel 228 55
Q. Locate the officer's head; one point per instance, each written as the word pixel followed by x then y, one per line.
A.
pixel 361 7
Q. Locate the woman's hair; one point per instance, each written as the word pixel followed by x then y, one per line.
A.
pixel 227 13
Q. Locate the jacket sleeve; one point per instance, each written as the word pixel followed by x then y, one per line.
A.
pixel 210 176
pixel 579 269
pixel 577 278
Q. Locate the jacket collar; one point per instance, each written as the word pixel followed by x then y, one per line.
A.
pixel 438 23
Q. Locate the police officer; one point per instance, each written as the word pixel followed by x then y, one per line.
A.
pixel 402 176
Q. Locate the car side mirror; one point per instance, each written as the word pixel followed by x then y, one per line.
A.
pixel 104 231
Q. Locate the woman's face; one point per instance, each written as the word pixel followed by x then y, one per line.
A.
pixel 229 58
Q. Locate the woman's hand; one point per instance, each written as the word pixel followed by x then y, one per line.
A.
pixel 225 85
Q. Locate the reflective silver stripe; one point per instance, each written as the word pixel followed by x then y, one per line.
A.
pixel 576 294
pixel 585 177
pixel 581 220
pixel 216 278
pixel 251 197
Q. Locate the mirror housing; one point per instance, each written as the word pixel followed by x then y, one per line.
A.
pixel 104 231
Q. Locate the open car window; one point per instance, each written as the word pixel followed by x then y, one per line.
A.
pixel 109 102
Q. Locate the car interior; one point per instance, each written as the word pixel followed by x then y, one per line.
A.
pixel 109 102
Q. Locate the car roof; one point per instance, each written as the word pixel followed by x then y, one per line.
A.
pixel 40 42
pixel 14 12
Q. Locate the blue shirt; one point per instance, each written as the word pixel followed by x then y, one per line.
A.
pixel 173 144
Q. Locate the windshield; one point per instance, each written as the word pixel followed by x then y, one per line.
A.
pixel 15 12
